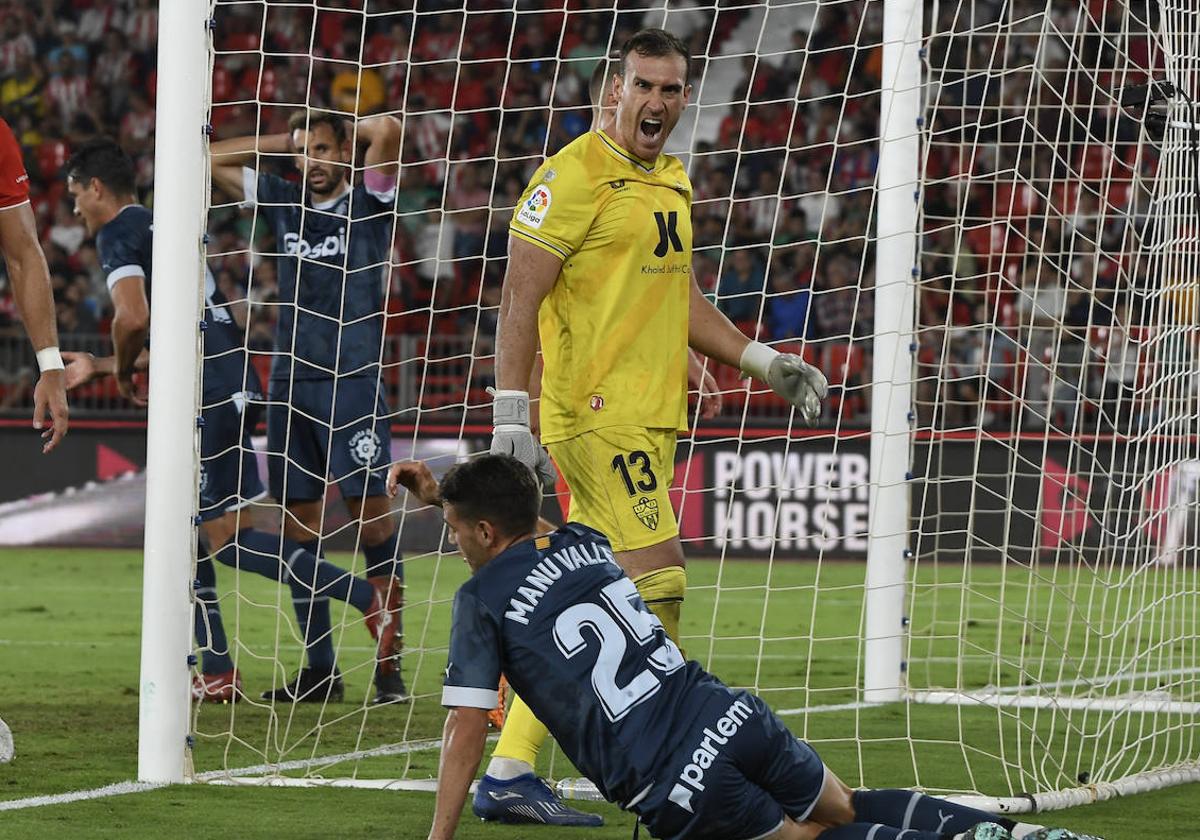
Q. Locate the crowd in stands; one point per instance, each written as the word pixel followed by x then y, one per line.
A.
pixel 1017 296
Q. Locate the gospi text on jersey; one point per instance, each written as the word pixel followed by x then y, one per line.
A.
pixel 330 246
pixel 550 569
pixel 691 778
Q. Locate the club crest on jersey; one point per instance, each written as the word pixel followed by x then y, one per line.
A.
pixel 596 402
pixel 647 511
pixel 533 211
pixel 364 447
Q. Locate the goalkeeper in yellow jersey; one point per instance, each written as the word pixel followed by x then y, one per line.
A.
pixel 600 254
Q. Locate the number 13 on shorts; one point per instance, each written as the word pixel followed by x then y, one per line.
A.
pixel 620 478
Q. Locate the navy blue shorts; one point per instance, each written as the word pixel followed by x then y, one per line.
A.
pixel 737 773
pixel 330 431
pixel 228 466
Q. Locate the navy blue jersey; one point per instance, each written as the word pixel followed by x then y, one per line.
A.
pixel 126 249
pixel 567 628
pixel 331 271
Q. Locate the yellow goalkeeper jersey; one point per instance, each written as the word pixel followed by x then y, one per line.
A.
pixel 614 329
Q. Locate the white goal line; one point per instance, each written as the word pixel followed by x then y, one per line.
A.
pixel 1146 703
pixel 246 776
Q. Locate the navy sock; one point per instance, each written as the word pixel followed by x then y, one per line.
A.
pixel 315 577
pixel 383 559
pixel 907 809
pixel 312 614
pixel 875 831
pixel 261 553
pixel 210 631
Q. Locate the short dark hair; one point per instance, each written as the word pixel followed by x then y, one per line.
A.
pixel 601 75
pixel 308 120
pixel 657 43
pixel 103 159
pixel 498 488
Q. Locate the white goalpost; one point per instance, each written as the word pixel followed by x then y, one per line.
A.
pixel 172 448
pixel 893 352
pixel 977 576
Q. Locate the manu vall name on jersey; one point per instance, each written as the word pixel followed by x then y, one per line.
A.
pixel 550 569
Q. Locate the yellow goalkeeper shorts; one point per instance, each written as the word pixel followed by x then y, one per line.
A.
pixel 620 478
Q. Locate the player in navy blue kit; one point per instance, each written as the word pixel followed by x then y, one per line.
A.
pixel 326 416
pixel 658 735
pixel 100 178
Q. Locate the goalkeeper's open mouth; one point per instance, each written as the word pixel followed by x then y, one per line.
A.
pixel 650 129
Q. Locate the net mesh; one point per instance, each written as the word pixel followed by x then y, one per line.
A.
pixel 1053 450
pixel 1052 582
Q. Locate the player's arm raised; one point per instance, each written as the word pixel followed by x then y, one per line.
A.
pixel 382 135
pixel 230 156
pixel 789 376
pixel 31 290
pixel 532 273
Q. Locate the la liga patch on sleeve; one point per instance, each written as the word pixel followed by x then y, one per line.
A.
pixel 533 211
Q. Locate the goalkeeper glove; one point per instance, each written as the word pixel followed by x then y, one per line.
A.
pixel 789 376
pixel 511 434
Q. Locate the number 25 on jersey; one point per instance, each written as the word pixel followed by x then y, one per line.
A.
pixel 619 615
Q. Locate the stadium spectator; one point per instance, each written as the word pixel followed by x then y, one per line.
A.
pixel 141 26
pixel 17 43
pixel 137 126
pixel 789 297
pixel 739 292
pixel 66 232
pixel 68 42
pixel 21 91
pixel 1121 355
pixel 837 301
pixel 68 88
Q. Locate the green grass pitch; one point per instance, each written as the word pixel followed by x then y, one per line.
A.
pixel 69 649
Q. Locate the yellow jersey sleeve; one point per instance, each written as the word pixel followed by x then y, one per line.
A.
pixel 557 208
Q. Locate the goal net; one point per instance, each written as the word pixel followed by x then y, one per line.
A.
pixel 1053 582
pixel 1029 625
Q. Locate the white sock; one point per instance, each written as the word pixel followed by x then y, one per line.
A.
pixel 503 769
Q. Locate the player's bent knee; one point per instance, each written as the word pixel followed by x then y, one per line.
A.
pixel 302 521
pixel 835 805
pixel 218 532
pixel 374 533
